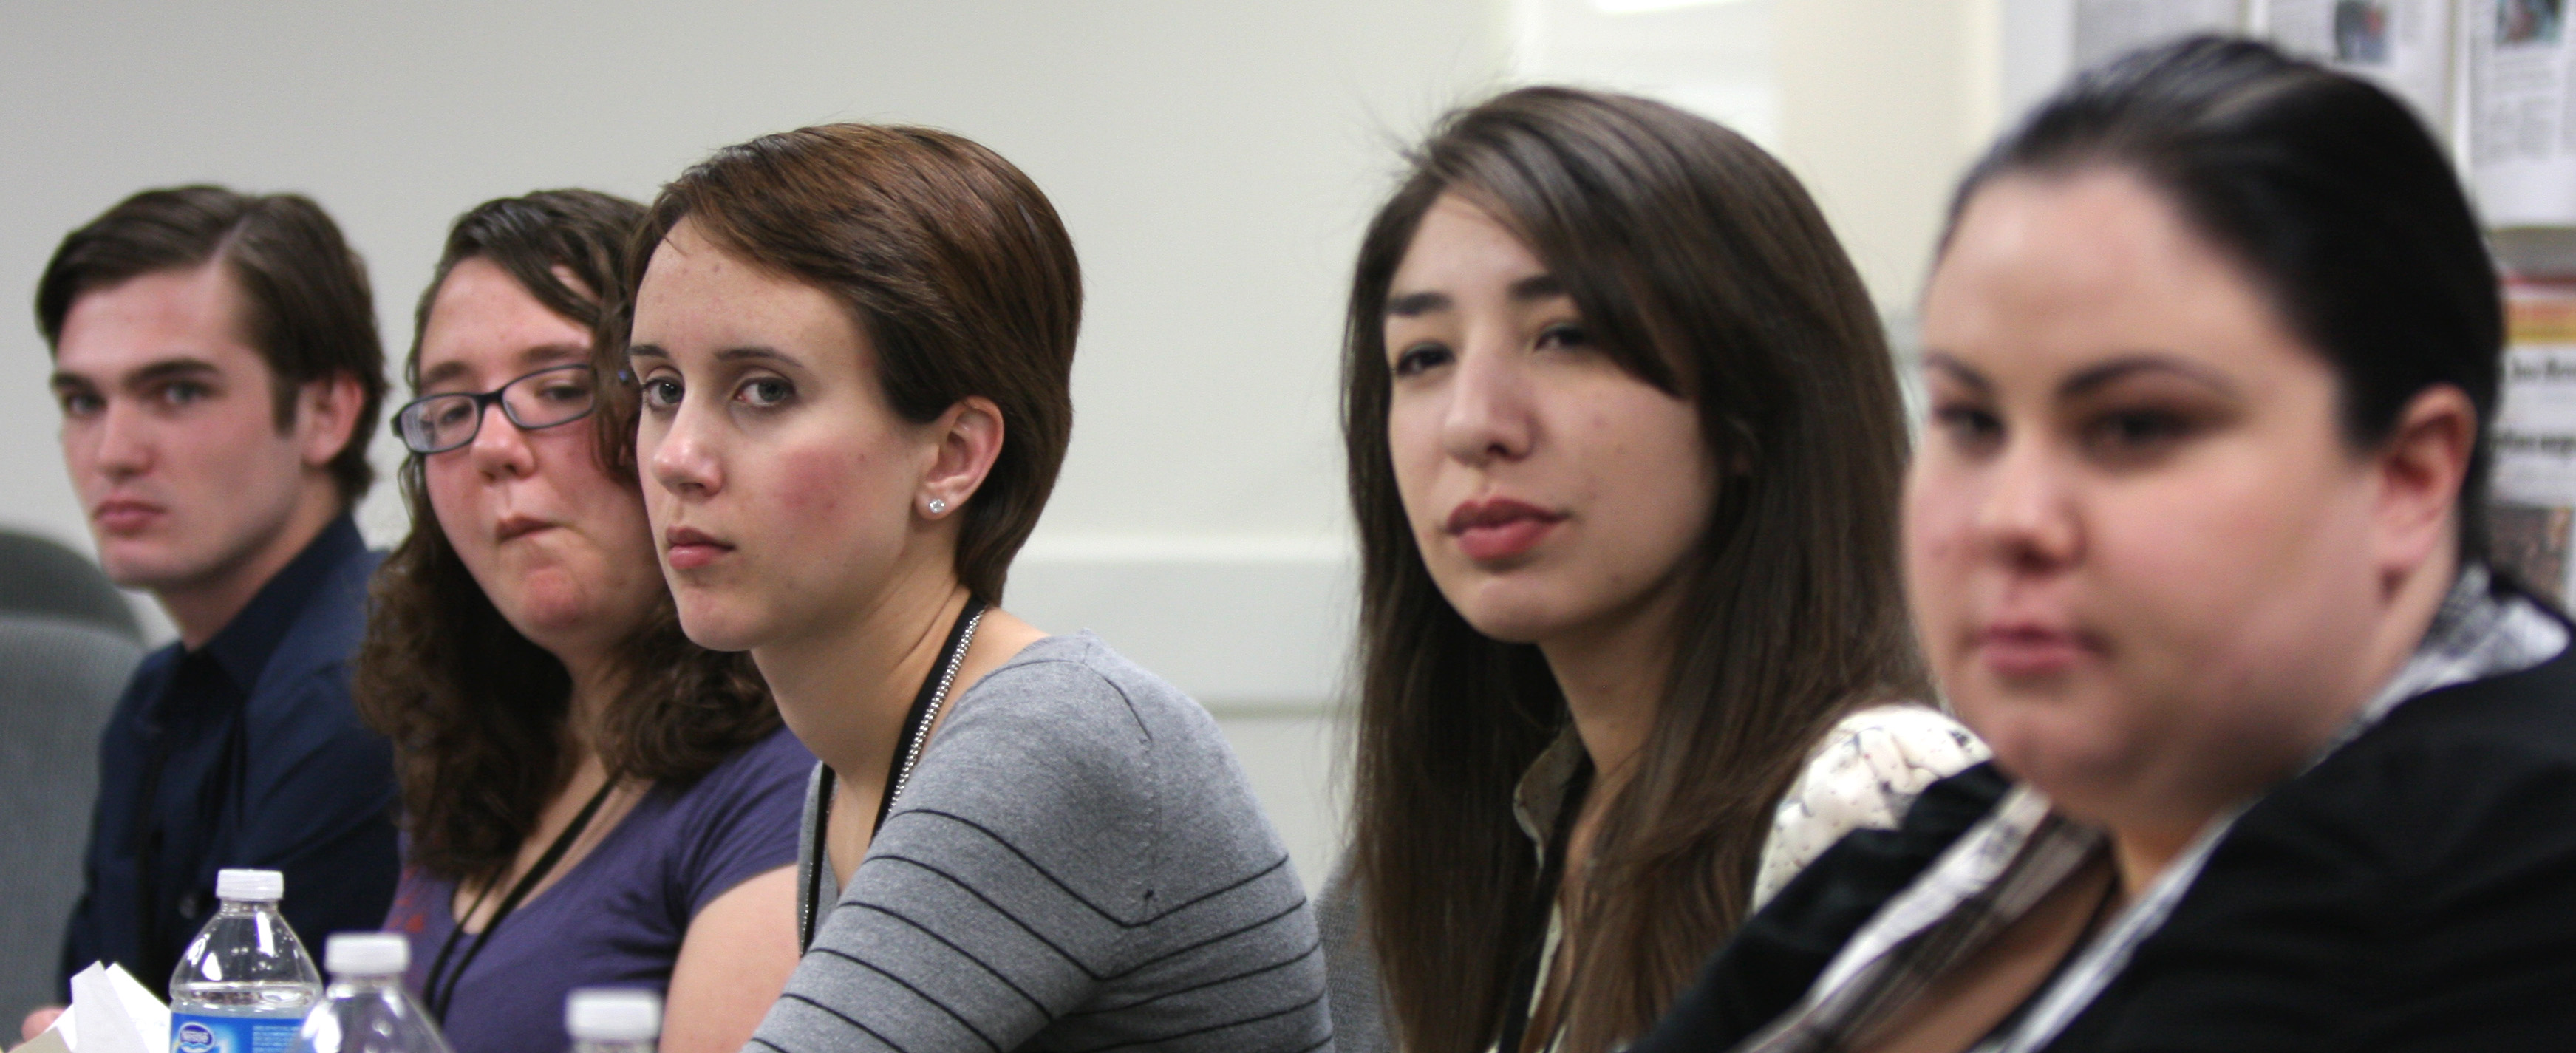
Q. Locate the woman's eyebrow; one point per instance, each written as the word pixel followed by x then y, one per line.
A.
pixel 1960 372
pixel 1538 287
pixel 755 354
pixel 442 373
pixel 1415 305
pixel 1533 288
pixel 730 354
pixel 2094 378
pixel 542 354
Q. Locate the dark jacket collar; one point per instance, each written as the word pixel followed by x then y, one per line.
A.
pixel 245 644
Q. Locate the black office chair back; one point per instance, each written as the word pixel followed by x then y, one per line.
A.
pixel 41 578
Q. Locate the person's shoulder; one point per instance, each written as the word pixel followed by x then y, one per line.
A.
pixel 2403 874
pixel 2522 720
pixel 775 764
pixel 1864 773
pixel 737 819
pixel 2448 777
pixel 1780 950
pixel 2495 731
pixel 322 642
pixel 1077 685
pixel 1070 731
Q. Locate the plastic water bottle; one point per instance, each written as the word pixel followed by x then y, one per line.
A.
pixel 613 1019
pixel 366 1009
pixel 245 983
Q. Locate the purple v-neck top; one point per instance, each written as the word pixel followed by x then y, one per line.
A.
pixel 617 917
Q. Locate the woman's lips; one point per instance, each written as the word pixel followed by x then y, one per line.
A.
pixel 687 549
pixel 2016 651
pixel 517 527
pixel 1500 528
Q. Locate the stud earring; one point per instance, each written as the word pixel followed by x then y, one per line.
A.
pixel 938 506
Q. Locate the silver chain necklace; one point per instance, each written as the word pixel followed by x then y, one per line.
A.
pixel 930 713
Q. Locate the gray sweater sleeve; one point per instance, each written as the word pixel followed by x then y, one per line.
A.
pixel 1078 864
pixel 1359 1004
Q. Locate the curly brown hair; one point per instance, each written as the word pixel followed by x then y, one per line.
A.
pixel 476 711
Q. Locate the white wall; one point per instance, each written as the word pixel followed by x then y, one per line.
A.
pixel 1214 162
pixel 1713 57
pixel 1877 105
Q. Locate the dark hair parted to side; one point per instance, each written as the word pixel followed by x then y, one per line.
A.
pixel 2328 192
pixel 476 711
pixel 1699 264
pixel 305 303
pixel 955 266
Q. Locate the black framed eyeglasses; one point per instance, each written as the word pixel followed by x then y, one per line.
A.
pixel 548 397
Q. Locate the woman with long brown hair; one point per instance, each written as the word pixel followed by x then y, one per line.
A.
pixel 588 797
pixel 1624 447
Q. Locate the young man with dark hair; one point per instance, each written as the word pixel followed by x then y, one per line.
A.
pixel 219 373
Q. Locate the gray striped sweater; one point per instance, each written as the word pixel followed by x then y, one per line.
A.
pixel 1078 864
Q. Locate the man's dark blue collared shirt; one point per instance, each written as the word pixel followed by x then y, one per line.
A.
pixel 245 752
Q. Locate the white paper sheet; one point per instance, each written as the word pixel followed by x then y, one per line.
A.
pixel 110 1013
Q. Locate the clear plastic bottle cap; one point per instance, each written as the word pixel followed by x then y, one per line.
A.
pixel 366 954
pixel 613 1014
pixel 258 886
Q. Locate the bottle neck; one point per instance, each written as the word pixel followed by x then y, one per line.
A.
pixel 589 1045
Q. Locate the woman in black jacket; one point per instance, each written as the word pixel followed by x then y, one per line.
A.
pixel 2196 541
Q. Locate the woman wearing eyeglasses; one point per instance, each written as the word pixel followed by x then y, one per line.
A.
pixel 599 800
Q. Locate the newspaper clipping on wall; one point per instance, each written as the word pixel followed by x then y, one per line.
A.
pixel 2404 45
pixel 2522 140
pixel 2534 437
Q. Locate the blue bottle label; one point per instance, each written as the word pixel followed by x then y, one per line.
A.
pixel 196 1033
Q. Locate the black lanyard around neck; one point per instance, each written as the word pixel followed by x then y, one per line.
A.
pixel 439 999
pixel 1521 998
pixel 916 732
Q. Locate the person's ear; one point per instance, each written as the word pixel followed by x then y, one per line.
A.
pixel 2419 470
pixel 969 438
pixel 326 413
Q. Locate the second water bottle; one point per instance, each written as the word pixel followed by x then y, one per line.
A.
pixel 366 1009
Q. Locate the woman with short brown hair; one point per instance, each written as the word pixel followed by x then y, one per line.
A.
pixel 853 348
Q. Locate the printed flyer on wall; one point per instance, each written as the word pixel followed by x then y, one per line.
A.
pixel 2404 45
pixel 2522 140
pixel 2534 437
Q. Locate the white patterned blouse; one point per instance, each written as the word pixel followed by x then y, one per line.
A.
pixel 1864 774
